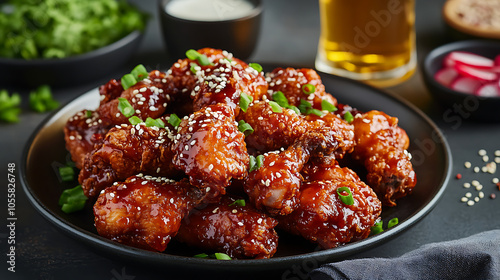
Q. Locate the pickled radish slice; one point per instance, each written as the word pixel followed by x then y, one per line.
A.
pixel 469 59
pixel 475 73
pixel 488 90
pixel 446 75
pixel 466 84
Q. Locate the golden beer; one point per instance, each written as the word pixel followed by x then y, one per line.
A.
pixel 368 40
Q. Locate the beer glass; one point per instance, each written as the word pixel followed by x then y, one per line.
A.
pixel 368 40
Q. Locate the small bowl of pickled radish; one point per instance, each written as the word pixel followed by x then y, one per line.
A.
pixel 231 25
pixel 464 76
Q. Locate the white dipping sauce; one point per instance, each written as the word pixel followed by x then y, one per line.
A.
pixel 209 10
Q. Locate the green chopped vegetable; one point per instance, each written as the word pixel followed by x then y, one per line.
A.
pixel 315 112
pixel 139 72
pixel 67 173
pixel 239 202
pixel 44 29
pixel 41 100
pixel 327 106
pixel 377 228
pixel 88 114
pixel 218 256
pixel 308 88
pixel 222 256
pixel 202 256
pixel 128 80
pixel 304 106
pixel 201 58
pixel 153 122
pixel 134 120
pixel 348 117
pixel 347 199
pixel 9 106
pixel 125 108
pixel 245 128
pixel 275 107
pixel 280 98
pixel 255 162
pixel 245 101
pixel 392 222
pixel 72 200
pixel 256 66
pixel 174 120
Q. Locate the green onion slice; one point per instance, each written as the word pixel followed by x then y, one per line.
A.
pixel 222 256
pixel 88 114
pixel 239 202
pixel 192 54
pixel 41 100
pixel 125 108
pixel 256 66
pixel 128 80
pixel 280 98
pixel 245 128
pixel 201 58
pixel 348 117
pixel 174 120
pixel 315 112
pixel 72 200
pixel 275 107
pixel 154 122
pixel 392 222
pixel 346 199
pixel 67 173
pixel 134 120
pixel 245 101
pixel 377 228
pixel 201 256
pixel 308 89
pixel 327 106
pixel 139 72
pixel 256 162
pixel 304 106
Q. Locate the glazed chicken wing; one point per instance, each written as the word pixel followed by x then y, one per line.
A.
pixel 127 150
pixel 381 146
pixel 81 132
pixel 321 216
pixel 210 149
pixel 144 211
pixel 238 231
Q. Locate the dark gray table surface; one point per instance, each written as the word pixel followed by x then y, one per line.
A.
pixel 289 35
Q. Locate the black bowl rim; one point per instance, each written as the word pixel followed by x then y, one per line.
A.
pixel 447 48
pixel 124 41
pixel 256 11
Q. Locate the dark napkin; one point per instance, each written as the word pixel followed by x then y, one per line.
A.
pixel 474 257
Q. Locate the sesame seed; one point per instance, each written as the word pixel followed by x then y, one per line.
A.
pixel 486 158
pixel 481 194
pixel 468 194
pixel 240 223
pixel 466 185
pixel 234 211
pixel 482 152
pixel 476 169
pixel 467 164
pixel 464 199
pixel 497 153
pixel 470 202
pixel 495 180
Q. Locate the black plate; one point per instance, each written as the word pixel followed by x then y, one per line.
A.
pixel 431 158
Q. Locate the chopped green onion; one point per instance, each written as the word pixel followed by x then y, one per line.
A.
pixel 281 99
pixel 245 101
pixel 201 58
pixel 174 120
pixel 348 117
pixel 239 202
pixel 222 256
pixel 139 72
pixel 308 88
pixel 134 120
pixel 154 122
pixel 201 256
pixel 275 107
pixel 245 127
pixel 304 106
pixel 256 66
pixel 192 54
pixel 67 173
pixel 72 200
pixel 9 106
pixel 377 228
pixel 256 162
pixel 315 112
pixel 346 199
pixel 193 68
pixel 295 109
pixel 392 222
pixel 327 106
pixel 125 108
pixel 128 80
pixel 41 100
pixel 88 114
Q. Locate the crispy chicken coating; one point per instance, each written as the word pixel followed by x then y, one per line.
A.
pixel 144 211
pixel 321 217
pixel 381 146
pixel 127 150
pixel 238 231
pixel 81 132
pixel 209 148
pixel 291 82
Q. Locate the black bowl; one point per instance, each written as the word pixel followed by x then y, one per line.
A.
pixel 462 105
pixel 70 70
pixel 238 36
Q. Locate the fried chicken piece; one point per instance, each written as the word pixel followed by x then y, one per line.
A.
pixel 210 149
pixel 109 91
pixel 128 150
pixel 144 211
pixel 275 185
pixel 147 97
pixel 291 82
pixel 238 231
pixel 224 83
pixel 381 146
pixel 81 132
pixel 321 217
